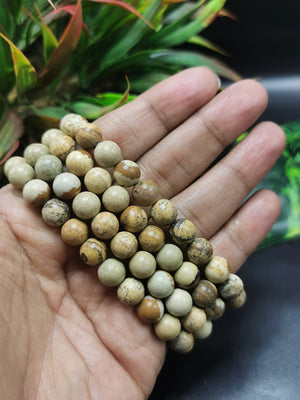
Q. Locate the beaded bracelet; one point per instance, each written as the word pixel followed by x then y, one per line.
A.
pixel 137 240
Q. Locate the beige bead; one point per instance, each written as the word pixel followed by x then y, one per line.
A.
pixel 183 343
pixel 217 270
pixel 66 185
pixel 150 310
pixel 194 320
pixel 187 276
pixel 182 231
pixel 115 199
pixel 161 284
pixel 97 180
pixel 61 145
pixel 88 136
pixel 124 245
pixel 152 238
pixel 204 331
pixel 131 292
pixel 48 135
pixel 168 327
pixel 205 293
pixel 145 192
pixel 34 151
pixel 92 252
pixel 11 162
pixel 134 219
pixel 163 212
pixel 55 212
pixel 170 257
pixel 179 303
pixel 111 272
pixel 86 205
pixel 105 225
pixel 19 174
pixel 127 173
pixel 237 301
pixel 231 288
pixel 48 167
pixel 107 154
pixel 79 162
pixel 216 310
pixel 74 232
pixel 200 251
pixel 142 265
pixel 70 123
pixel 36 192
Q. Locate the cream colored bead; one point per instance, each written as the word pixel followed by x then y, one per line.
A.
pixel 183 343
pixel 11 162
pixel 19 174
pixel 86 205
pixel 48 167
pixel 48 135
pixel 179 303
pixel 70 123
pixel 161 284
pixel 97 180
pixel 217 270
pixel 194 320
pixel 111 272
pixel 36 192
pixel 142 265
pixel 131 292
pixel 107 154
pixel 187 276
pixel 79 162
pixel 168 327
pixel 204 331
pixel 66 185
pixel 115 199
pixel 34 151
pixel 170 257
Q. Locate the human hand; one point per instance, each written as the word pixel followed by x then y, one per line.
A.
pixel 63 335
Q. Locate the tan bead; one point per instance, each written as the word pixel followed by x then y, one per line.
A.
pixel 131 292
pixel 107 154
pixel 134 219
pixel 127 173
pixel 92 252
pixel 183 343
pixel 124 245
pixel 36 192
pixel 168 327
pixel 49 134
pixel 194 319
pixel 150 310
pixel 74 232
pixel 182 231
pixel 115 199
pixel 19 174
pixel 152 238
pixel 200 251
pixel 86 205
pixel 204 331
pixel 187 276
pixel 216 310
pixel 88 136
pixel 205 293
pixel 142 265
pixel 61 145
pixel 111 272
pixel 55 212
pixel 70 123
pixel 231 288
pixel 105 225
pixel 217 270
pixel 163 212
pixel 97 180
pixel 79 162
pixel 145 193
pixel 237 301
pixel 34 151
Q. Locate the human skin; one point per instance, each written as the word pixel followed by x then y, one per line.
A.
pixel 63 335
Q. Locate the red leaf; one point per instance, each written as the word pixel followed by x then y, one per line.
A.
pixel 70 9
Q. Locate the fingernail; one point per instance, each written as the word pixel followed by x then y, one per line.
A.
pixel 219 82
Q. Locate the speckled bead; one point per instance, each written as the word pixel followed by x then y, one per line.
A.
pixel 194 319
pixel 237 301
pixel 134 219
pixel 48 167
pixel 124 245
pixel 231 288
pixel 127 173
pixel 74 232
pixel 216 310
pixel 115 199
pixel 170 257
pixel 93 252
pixel 179 303
pixel 131 292
pixel 205 330
pixel 49 134
pixel 11 162
pixel 107 154
pixel 20 174
pixel 66 185
pixel 183 343
pixel 88 136
pixel 161 284
pixel 168 327
pixel 152 238
pixel 111 272
pixel 187 276
pixel 217 270
pixel 34 151
pixel 70 123
pixel 36 192
pixel 142 265
pixel 145 193
pixel 79 162
pixel 61 145
pixel 97 180
pixel 182 231
pixel 150 310
pixel 205 293
pixel 200 251
pixel 105 225
pixel 163 212
pixel 55 212
pixel 86 205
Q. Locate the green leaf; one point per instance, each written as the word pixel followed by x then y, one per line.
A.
pixel 202 41
pixel 7 75
pixel 11 129
pixel 49 40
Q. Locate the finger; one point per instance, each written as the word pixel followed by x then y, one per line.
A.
pixel 181 157
pixel 240 236
pixel 138 125
pixel 214 198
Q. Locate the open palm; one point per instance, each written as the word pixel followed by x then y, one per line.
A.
pixel 65 336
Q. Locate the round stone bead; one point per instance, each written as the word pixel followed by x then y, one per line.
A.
pixel 170 257
pixel 179 303
pixel 61 145
pixel 183 343
pixel 127 173
pixel 88 136
pixel 161 284
pixel 111 272
pixel 194 320
pixel 79 162
pixel 97 180
pixel 187 276
pixel 216 310
pixel 200 251
pixel 48 167
pixel 86 205
pixel 205 293
pixel 182 231
pixel 11 162
pixel 133 219
pixel 20 174
pixel 231 288
pixel 142 265
pixel 92 252
pixel 36 192
pixel 107 154
pixel 74 232
pixel 70 123
pixel 163 212
pixel 48 135
pixel 150 310
pixel 66 185
pixel 152 238
pixel 145 193
pixel 55 212
pixel 34 151
pixel 204 331
pixel 124 245
pixel 105 225
pixel 237 301
pixel 217 270
pixel 168 327
pixel 115 199
pixel 131 292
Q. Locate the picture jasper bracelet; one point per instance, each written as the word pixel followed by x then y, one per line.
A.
pixel 122 226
